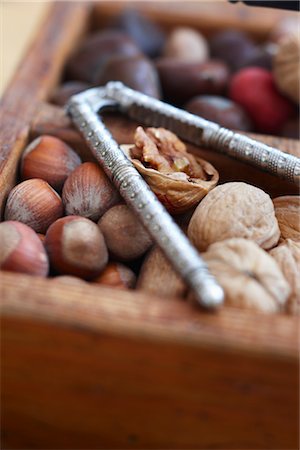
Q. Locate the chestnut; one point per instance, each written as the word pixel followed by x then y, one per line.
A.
pixel 136 72
pixel 147 35
pixel 182 80
pixel 221 110
pixel 62 93
pixel 86 62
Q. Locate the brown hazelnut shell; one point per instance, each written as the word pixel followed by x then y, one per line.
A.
pixel 21 250
pixel 88 192
pixel 50 159
pixel 76 246
pixel 35 203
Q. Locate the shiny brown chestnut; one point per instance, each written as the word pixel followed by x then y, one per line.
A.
pixel 136 72
pixel 221 110
pixel 86 62
pixel 182 80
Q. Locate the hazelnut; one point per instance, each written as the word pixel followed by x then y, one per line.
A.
pixel 76 246
pixel 88 192
pixel 50 159
pixel 34 203
pixel 186 44
pixel 41 237
pixel 22 250
pixel 125 237
pixel 116 275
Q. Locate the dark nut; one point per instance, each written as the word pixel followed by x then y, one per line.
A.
pixel 88 192
pixel 62 93
pixel 76 246
pixel 125 237
pixel 147 35
pixel 50 159
pixel 220 110
pixel 22 250
pixel 233 47
pixel 86 62
pixel 136 72
pixel 183 80
pixel 34 203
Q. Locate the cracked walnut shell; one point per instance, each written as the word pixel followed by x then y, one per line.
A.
pixel 249 276
pixel 287 256
pixel 234 210
pixel 179 179
pixel 287 211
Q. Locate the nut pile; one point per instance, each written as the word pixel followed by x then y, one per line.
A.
pixel 70 223
pixel 66 221
pixel 227 78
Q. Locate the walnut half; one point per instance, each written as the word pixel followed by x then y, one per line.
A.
pixel 179 179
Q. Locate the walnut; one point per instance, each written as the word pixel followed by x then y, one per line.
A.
pixel 287 256
pixel 249 276
pixel 234 210
pixel 179 179
pixel 287 211
pixel 287 66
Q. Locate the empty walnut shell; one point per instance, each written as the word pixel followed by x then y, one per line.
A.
pixel 287 67
pixel 249 276
pixel 287 211
pixel 234 210
pixel 176 190
pixel 287 256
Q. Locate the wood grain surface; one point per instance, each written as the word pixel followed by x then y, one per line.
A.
pixel 90 367
pixel 96 368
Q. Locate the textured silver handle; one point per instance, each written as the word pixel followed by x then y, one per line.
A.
pixel 202 132
pixel 169 237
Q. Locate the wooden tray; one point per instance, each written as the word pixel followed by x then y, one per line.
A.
pixel 96 368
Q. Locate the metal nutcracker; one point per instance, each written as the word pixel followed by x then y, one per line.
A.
pixel 85 109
